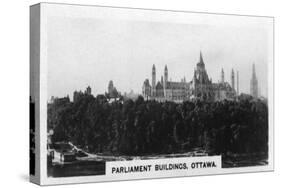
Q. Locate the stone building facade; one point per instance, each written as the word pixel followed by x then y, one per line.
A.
pixel 200 87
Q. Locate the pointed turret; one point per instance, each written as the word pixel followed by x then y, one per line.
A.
pixel 237 84
pixel 254 83
pixel 222 76
pixel 165 80
pixel 165 74
pixel 232 80
pixel 254 71
pixel 153 89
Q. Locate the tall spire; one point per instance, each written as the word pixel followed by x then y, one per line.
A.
pixel 165 80
pixel 201 64
pixel 222 76
pixel 201 58
pixel 254 83
pixel 237 84
pixel 165 74
pixel 232 80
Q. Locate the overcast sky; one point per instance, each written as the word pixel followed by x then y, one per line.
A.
pixel 92 52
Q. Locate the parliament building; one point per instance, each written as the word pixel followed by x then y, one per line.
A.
pixel 200 87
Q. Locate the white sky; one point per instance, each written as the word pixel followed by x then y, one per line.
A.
pixel 84 51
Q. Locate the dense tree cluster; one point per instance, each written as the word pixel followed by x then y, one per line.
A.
pixel 149 127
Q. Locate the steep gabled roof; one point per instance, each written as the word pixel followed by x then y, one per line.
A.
pixel 159 85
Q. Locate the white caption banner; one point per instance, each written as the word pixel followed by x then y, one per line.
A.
pixel 168 167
